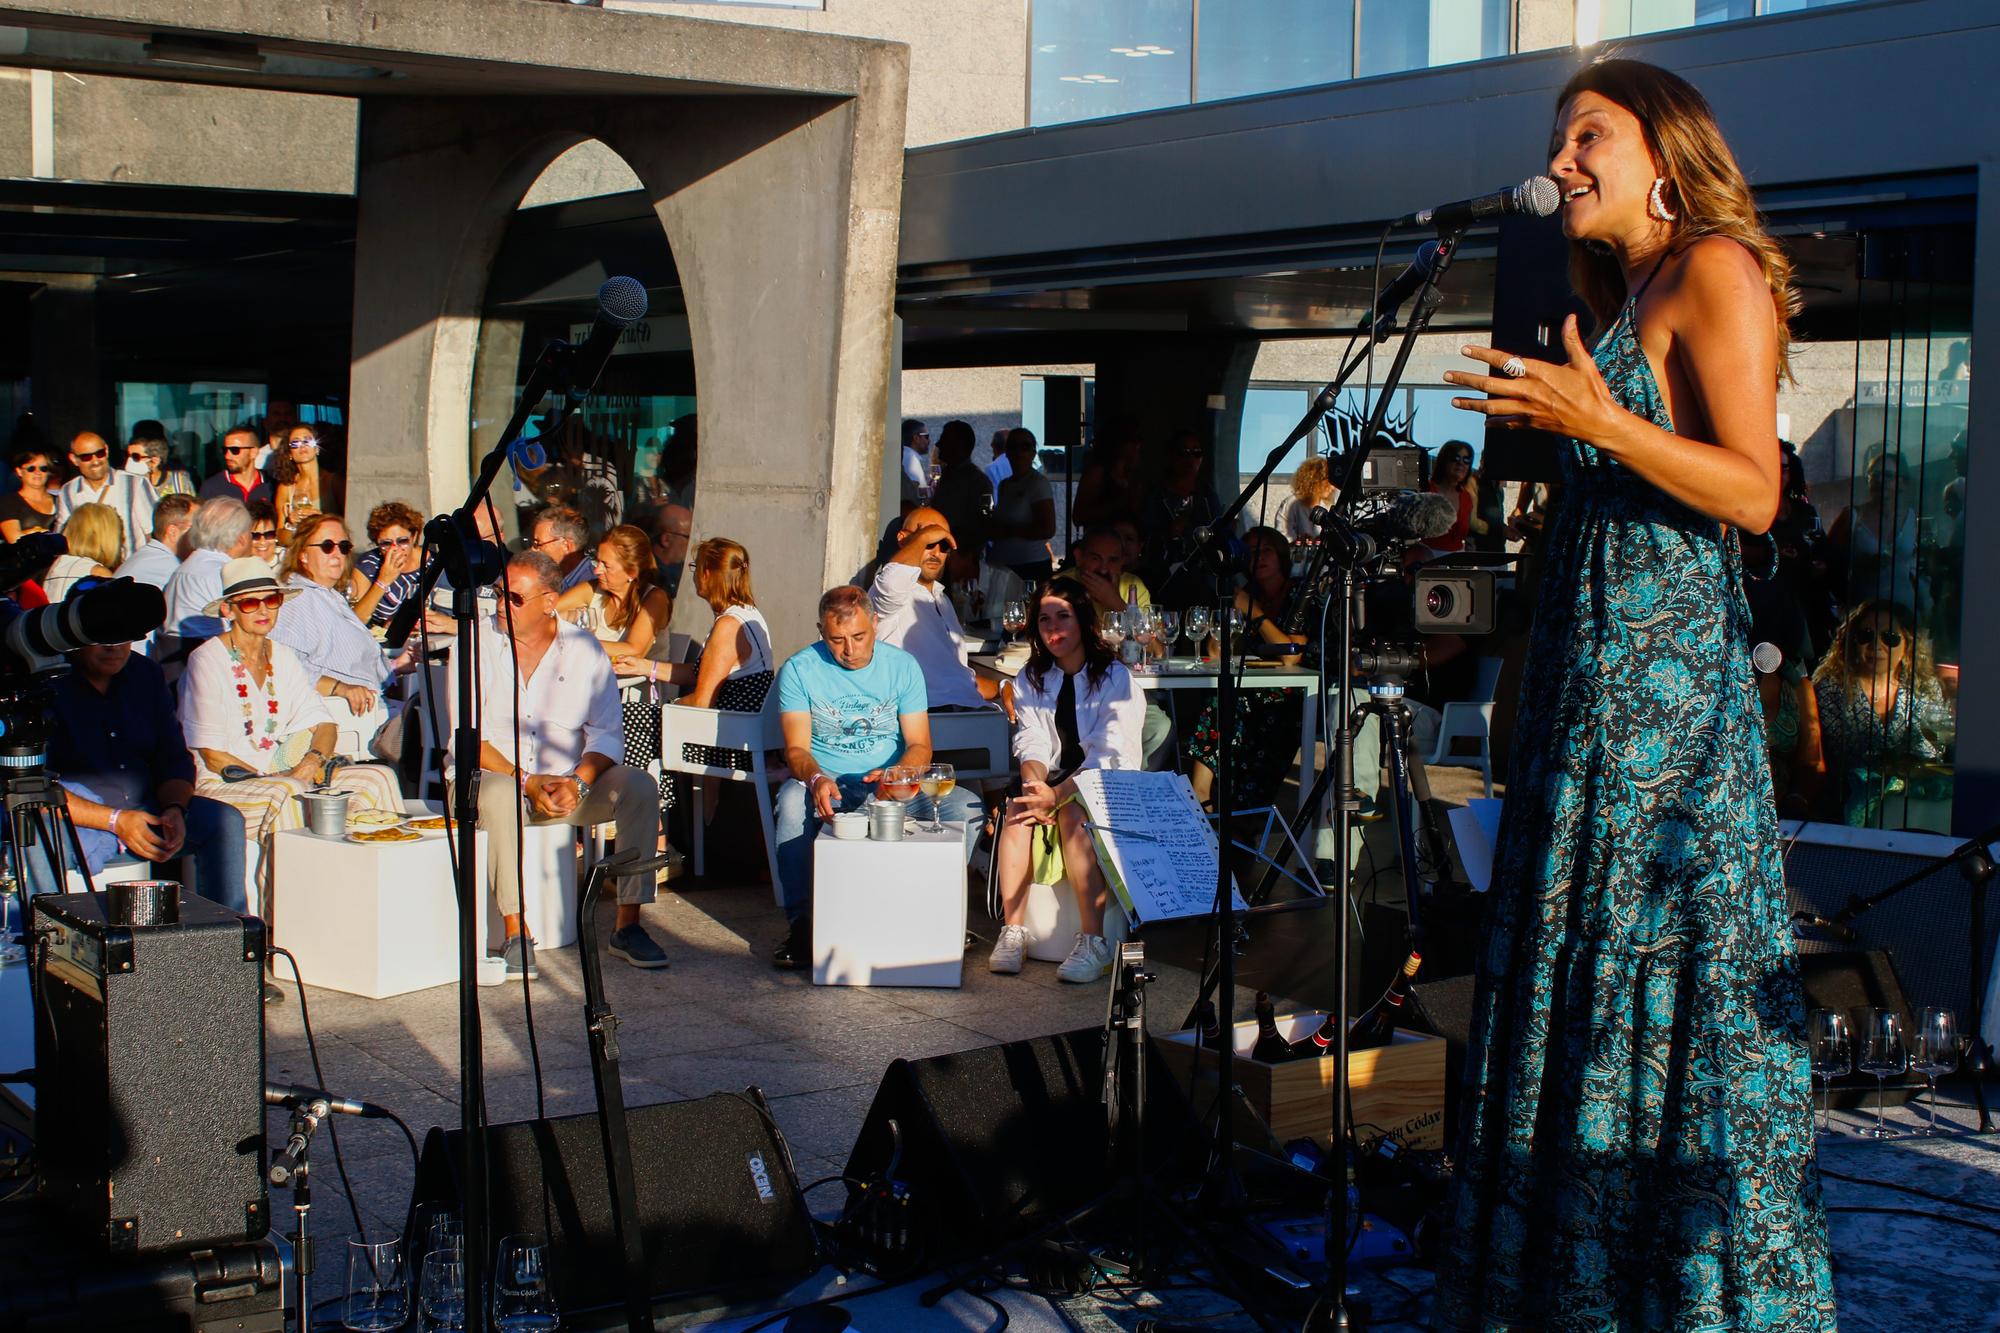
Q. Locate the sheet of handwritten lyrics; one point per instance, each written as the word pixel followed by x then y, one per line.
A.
pixel 1154 841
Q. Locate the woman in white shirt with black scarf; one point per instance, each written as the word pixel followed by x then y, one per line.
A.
pixel 1077 707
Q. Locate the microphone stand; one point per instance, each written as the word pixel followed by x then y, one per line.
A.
pixel 472 564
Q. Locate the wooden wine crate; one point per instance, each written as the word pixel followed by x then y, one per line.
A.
pixel 1398 1088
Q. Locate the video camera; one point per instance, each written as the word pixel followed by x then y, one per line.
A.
pixel 1448 594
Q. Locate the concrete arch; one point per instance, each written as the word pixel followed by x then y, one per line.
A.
pixel 781 213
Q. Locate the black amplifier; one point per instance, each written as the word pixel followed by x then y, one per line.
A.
pixel 149 1059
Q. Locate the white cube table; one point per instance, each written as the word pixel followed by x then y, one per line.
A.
pixel 889 913
pixel 373 919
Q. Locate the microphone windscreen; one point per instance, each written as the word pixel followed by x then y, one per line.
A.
pixel 1414 516
pixel 1540 197
pixel 622 300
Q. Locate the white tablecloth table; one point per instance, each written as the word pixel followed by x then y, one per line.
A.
pixel 890 913
pixel 373 919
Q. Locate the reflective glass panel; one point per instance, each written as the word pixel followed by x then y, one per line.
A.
pixel 1257 46
pixel 1417 34
pixel 1093 58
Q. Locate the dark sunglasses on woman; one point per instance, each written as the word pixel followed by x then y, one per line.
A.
pixel 330 546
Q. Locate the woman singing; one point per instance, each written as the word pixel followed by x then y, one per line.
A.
pixel 1637 1146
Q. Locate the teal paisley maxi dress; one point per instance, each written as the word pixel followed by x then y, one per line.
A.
pixel 1636 1150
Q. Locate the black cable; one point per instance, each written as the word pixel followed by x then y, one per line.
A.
pixel 998 1308
pixel 319 1081
pixel 1909 1189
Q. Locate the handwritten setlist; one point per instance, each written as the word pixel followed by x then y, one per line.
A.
pixel 1154 842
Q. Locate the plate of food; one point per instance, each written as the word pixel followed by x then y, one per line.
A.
pixel 372 819
pixel 397 834
pixel 428 823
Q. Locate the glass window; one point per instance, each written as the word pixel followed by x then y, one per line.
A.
pixel 1416 34
pixel 1626 18
pixel 196 416
pixel 1423 414
pixel 1794 6
pixel 1094 58
pixel 1256 46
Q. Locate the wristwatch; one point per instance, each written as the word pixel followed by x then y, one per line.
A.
pixel 582 788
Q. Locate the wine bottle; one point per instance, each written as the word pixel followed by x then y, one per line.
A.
pixel 1377 1026
pixel 1269 1047
pixel 1209 1027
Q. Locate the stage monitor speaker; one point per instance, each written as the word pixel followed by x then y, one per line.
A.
pixel 1062 412
pixel 1531 296
pixel 1444 1007
pixel 720 1211
pixel 149 1059
pixel 1851 979
pixel 994 1143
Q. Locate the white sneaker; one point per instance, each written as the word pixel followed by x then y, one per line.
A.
pixel 1008 950
pixel 1088 961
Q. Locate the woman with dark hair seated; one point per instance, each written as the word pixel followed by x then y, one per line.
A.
pixel 1885 726
pixel 1265 737
pixel 1077 707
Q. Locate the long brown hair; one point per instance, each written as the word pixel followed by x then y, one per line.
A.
pixel 634 550
pixel 1837 667
pixel 722 574
pixel 1097 654
pixel 1705 188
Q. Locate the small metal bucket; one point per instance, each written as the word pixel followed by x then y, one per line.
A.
pixel 326 812
pixel 145 902
pixel 885 820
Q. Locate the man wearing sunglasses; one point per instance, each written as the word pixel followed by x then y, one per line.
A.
pixel 239 478
pixel 568 767
pixel 913 612
pixel 96 483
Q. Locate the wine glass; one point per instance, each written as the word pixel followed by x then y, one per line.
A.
pixel 377 1297
pixel 899 783
pixel 13 921
pixel 1934 1052
pixel 1238 618
pixel 1014 616
pixel 1145 627
pixel 446 1233
pixel 1170 629
pixel 937 783
pixel 586 618
pixel 522 1302
pixel 1882 1053
pixel 1832 1055
pixel 1196 619
pixel 441 1291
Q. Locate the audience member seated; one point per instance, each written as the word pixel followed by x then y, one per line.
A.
pixel 304 484
pixel 1265 739
pixel 343 658
pixel 156 561
pixel 239 479
pixel 1098 565
pixel 1024 513
pixel 264 534
pixel 1884 723
pixel 850 708
pixel 736 667
pixel 220 533
pixel 390 572
pixel 569 769
pixel 913 613
pixel 96 547
pixel 146 456
pixel 118 748
pixel 1311 489
pixel 1453 479
pixel 1078 708
pixel 131 498
pixel 965 497
pixel 33 507
pixel 260 731
pixel 672 526
pixel 1875 540
pixel 560 533
pixel 627 610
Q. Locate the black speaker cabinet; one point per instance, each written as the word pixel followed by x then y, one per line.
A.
pixel 149 1050
pixel 995 1142
pixel 719 1204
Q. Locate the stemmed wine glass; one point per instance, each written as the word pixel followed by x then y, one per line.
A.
pixel 441 1292
pixel 937 783
pixel 1882 1053
pixel 378 1298
pixel 1144 623
pixel 1170 629
pixel 1934 1052
pixel 1832 1055
pixel 1197 627
pixel 1014 617
pixel 522 1302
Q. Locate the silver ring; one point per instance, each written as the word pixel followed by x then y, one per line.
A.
pixel 1514 367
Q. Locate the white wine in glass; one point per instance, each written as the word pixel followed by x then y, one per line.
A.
pixel 937 783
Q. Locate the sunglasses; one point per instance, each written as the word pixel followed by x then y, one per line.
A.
pixel 306 443
pixel 329 546
pixel 1888 638
pixel 263 534
pixel 38 467
pixel 138 456
pixel 239 448
pixel 394 541
pixel 91 458
pixel 521 599
pixel 940 545
pixel 269 601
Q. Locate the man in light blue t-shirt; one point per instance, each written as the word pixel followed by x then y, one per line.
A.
pixel 850 707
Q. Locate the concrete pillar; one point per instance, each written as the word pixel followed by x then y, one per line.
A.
pixel 66 384
pixel 782 214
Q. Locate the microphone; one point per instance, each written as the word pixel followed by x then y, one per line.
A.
pixel 1399 291
pixel 1535 197
pixel 1839 930
pixel 621 303
pixel 1414 516
pixel 285 1094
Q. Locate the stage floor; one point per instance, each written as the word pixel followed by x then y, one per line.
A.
pixel 721 1019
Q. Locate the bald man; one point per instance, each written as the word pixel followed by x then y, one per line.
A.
pixel 95 483
pixel 913 613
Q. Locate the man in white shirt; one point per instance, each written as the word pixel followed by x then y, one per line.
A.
pixel 916 479
pixel 913 612
pixel 156 561
pixel 133 497
pixel 569 768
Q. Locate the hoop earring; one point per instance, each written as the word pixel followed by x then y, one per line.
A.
pixel 1656 202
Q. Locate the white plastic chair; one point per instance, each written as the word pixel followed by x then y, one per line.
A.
pixel 1470 720
pixel 982 737
pixel 751 735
